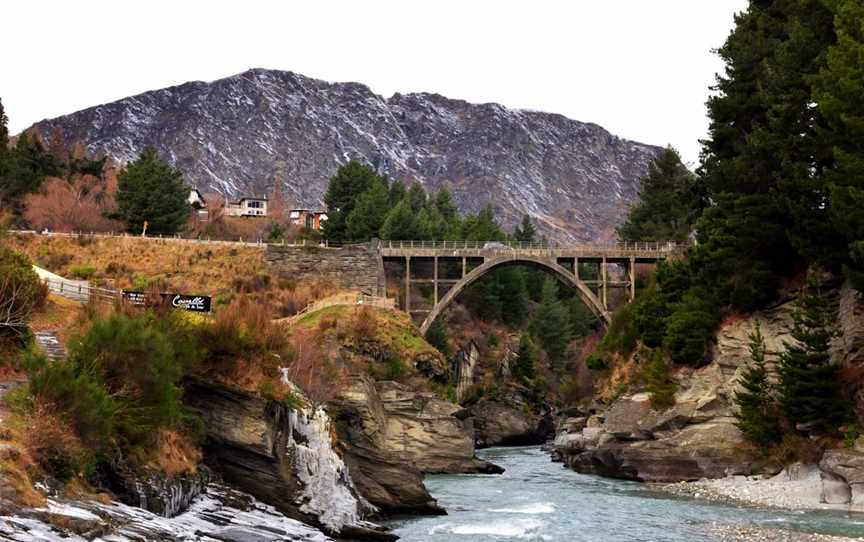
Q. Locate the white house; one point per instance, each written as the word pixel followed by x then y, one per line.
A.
pixel 246 206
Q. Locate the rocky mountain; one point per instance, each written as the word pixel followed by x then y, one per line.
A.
pixel 240 134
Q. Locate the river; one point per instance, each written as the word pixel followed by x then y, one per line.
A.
pixel 536 499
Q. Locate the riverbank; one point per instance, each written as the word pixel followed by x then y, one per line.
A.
pixel 729 533
pixel 799 487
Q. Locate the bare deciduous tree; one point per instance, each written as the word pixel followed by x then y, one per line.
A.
pixel 79 204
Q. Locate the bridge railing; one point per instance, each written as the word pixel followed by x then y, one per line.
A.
pixel 648 246
pixel 81 291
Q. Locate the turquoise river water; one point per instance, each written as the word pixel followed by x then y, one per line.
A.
pixel 536 499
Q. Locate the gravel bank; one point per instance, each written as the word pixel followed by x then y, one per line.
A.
pixel 731 533
pixel 797 488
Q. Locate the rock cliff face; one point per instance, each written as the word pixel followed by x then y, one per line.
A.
pixel 390 436
pixel 510 423
pixel 238 134
pixel 283 457
pixel 697 437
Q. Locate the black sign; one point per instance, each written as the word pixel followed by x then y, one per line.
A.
pixel 194 303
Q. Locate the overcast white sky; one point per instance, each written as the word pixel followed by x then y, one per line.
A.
pixel 640 69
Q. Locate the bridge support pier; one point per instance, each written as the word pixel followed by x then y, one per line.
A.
pixel 631 272
pixel 435 281
pixel 603 283
pixel 408 284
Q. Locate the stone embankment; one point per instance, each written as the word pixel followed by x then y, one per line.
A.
pixel 697 438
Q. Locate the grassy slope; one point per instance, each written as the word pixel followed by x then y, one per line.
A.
pixel 208 269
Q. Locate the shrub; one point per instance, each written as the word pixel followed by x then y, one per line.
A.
pixel 437 336
pixel 660 385
pixel 243 328
pixel 311 370
pixel 255 283
pixel 596 363
pixel 83 272
pixel 142 282
pixel 621 337
pixel 365 324
pixel 390 369
pixel 21 293
pixel 79 396
pixel 690 327
pixel 136 363
pixel 54 445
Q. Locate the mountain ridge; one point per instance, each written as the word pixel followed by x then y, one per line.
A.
pixel 236 135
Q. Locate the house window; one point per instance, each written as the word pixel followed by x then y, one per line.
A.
pixel 254 204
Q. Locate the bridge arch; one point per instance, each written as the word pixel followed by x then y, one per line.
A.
pixel 591 301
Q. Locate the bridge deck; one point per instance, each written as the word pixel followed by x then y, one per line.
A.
pixel 456 249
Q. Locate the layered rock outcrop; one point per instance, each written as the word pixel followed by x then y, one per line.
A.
pixel 697 437
pixel 283 457
pixel 391 435
pixel 510 423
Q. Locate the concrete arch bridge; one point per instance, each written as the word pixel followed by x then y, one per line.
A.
pixel 426 276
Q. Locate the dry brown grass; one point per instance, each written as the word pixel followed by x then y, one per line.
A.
pixel 51 441
pixel 120 261
pixel 224 272
pixel 173 454
pixel 312 369
pixel 17 466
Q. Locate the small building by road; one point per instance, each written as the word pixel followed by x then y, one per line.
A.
pixel 307 218
pixel 247 206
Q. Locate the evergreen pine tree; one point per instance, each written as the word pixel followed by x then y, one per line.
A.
pixel 526 359
pixel 416 197
pixel 351 180
pixel 756 414
pixel 551 323
pixel 23 168
pixel 809 391
pixel 437 336
pixel 400 223
pixel 525 232
pixel 482 227
pixel 150 190
pixel 837 91
pixel 445 205
pixel 513 295
pixel 669 202
pixel 659 383
pixel 396 192
pixel 369 212
pixel 4 131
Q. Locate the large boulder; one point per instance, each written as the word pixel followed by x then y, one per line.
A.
pixel 843 477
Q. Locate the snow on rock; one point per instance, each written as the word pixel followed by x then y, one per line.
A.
pixel 222 514
pixel 328 491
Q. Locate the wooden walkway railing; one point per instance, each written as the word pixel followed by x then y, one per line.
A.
pixel 345 299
